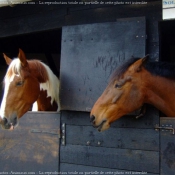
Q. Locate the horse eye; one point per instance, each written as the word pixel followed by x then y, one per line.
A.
pixel 19 83
pixel 118 86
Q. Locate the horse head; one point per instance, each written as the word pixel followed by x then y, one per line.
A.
pixel 124 94
pixel 21 90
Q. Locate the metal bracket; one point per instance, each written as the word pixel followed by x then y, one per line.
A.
pixel 63 134
pixel 165 128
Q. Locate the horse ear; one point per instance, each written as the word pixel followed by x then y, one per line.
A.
pixel 7 59
pixel 139 63
pixel 145 58
pixel 22 57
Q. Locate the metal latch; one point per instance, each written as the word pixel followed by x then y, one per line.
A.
pixel 164 128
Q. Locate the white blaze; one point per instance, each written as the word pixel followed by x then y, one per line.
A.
pixel 4 100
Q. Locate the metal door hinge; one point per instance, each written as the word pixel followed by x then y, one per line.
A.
pixel 165 128
pixel 63 134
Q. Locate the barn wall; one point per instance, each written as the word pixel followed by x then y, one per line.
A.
pixel 91 152
pixel 24 19
pixel 23 22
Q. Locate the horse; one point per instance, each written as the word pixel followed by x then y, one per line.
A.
pixel 27 82
pixel 136 82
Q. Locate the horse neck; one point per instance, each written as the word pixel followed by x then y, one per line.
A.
pixel 45 103
pixel 160 92
pixel 48 99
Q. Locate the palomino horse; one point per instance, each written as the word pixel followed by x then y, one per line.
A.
pixel 136 82
pixel 25 82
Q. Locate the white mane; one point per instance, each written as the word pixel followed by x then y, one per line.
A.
pixel 52 86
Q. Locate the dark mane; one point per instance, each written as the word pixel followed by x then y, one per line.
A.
pixel 123 68
pixel 163 69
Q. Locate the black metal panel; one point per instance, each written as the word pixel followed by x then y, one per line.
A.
pixel 167 146
pixel 33 146
pixel 90 53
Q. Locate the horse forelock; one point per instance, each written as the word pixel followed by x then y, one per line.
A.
pixel 36 68
pixel 13 69
pixel 122 69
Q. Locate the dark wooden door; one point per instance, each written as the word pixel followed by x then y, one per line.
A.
pixel 89 55
pixel 129 146
pixel 167 148
pixel 33 147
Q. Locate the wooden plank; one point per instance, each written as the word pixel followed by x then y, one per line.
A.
pixel 81 169
pixel 32 23
pixel 167 147
pixel 65 167
pixel 32 146
pixel 27 10
pixel 111 13
pixel 24 18
pixel 125 159
pixel 85 72
pixel 42 42
pixel 130 138
pixel 150 119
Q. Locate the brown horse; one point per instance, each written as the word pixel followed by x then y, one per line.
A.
pixel 136 82
pixel 25 82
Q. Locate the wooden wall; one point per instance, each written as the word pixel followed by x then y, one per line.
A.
pixel 37 28
pixel 130 145
pixel 26 19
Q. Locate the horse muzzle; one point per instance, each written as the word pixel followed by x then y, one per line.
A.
pixel 100 127
pixel 9 123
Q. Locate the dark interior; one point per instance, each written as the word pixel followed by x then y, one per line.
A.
pixel 47 42
pixel 167 40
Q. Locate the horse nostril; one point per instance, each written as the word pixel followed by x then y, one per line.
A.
pixel 92 118
pixel 15 119
pixel 5 120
